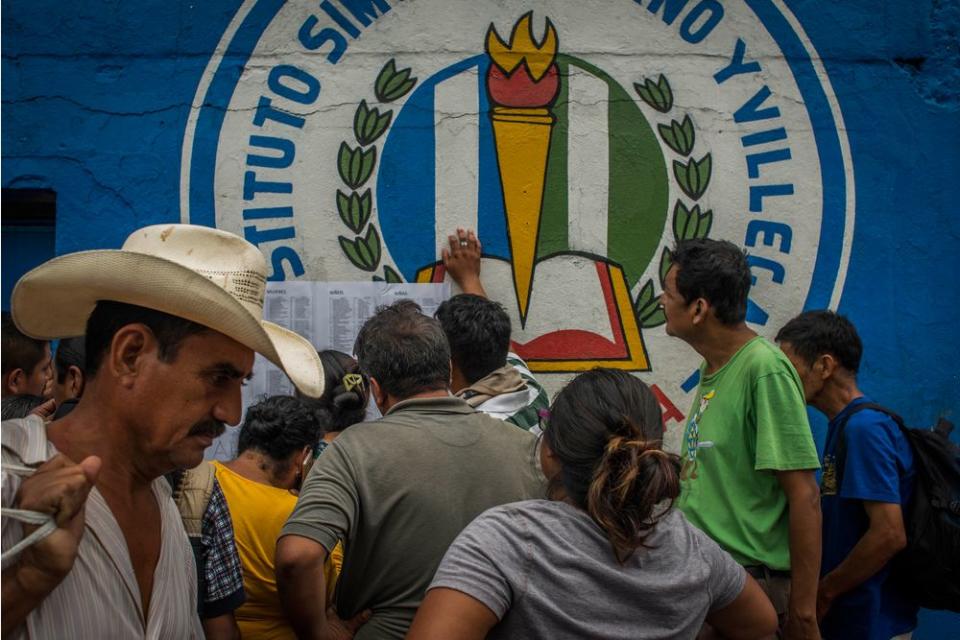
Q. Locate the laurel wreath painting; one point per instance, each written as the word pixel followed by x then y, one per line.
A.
pixel 356 164
pixel 693 178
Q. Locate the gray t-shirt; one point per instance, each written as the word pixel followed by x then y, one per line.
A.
pixel 398 491
pixel 547 570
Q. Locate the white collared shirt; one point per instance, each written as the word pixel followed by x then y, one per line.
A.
pixel 100 597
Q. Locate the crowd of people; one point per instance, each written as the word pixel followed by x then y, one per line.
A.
pixel 472 507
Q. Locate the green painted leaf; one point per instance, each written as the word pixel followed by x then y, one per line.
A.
pixel 693 176
pixel 352 211
pixel 669 135
pixel 350 249
pixel 665 263
pixel 377 279
pixel 653 94
pixel 365 201
pixel 344 155
pixel 372 244
pixel 692 224
pixel 360 118
pixel 681 221
pixel 703 169
pixel 391 275
pixel 682 175
pixel 386 73
pixel 666 93
pixel 689 134
pixel 398 86
pixel 366 258
pixel 645 297
pixel 382 123
pixel 356 165
pixel 367 161
pixel 644 93
pixel 344 209
pixel 654 319
pixel 704 223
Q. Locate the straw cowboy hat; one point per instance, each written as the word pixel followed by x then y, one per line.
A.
pixel 211 277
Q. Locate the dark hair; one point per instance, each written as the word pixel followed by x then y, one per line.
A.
pixel 70 353
pixel 404 350
pixel 716 270
pixel 344 400
pixel 108 317
pixel 278 427
pixel 19 351
pixel 478 331
pixel 19 405
pixel 605 428
pixel 813 333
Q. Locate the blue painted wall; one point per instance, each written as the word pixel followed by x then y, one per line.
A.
pixel 96 97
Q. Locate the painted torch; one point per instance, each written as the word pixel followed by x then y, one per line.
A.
pixel 523 83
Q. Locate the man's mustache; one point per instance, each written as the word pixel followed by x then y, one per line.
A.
pixel 210 428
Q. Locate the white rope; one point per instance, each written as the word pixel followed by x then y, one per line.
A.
pixel 47 524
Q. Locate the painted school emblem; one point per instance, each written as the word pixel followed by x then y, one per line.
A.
pixel 347 138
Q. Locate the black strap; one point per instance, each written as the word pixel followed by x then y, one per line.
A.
pixel 841 454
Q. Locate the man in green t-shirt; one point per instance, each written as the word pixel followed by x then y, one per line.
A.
pixel 749 460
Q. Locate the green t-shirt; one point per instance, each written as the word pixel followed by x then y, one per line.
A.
pixel 748 421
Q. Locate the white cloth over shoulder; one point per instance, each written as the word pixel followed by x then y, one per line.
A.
pixel 100 597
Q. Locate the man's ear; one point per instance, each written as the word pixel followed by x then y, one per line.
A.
pixel 74 381
pixel 15 380
pixel 700 310
pixel 825 365
pixel 129 349
pixel 379 395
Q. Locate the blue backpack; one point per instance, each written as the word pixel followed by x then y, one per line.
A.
pixel 929 567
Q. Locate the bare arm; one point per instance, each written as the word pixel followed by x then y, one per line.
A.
pixel 884 538
pixel 303 590
pixel 749 616
pixel 803 497
pixel 59 488
pixel 448 614
pixel 462 261
pixel 221 628
pixel 301 585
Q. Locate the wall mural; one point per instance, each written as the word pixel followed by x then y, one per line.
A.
pixel 581 140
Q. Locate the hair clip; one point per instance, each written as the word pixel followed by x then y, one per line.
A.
pixel 353 382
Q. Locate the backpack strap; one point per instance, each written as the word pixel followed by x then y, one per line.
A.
pixel 192 495
pixel 841 454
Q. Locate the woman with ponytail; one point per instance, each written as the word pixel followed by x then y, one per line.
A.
pixel 607 556
pixel 345 396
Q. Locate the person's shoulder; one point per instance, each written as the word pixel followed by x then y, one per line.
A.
pixel 674 528
pixel 26 439
pixel 521 515
pixel 871 423
pixel 761 352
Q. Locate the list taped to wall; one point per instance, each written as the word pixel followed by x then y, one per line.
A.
pixel 329 315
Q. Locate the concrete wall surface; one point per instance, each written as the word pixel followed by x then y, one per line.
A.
pixel 346 138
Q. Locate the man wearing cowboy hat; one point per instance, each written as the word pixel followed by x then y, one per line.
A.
pixel 172 321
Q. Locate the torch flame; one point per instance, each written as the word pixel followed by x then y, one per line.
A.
pixel 523 48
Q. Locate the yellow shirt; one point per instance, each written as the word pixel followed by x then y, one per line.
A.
pixel 259 512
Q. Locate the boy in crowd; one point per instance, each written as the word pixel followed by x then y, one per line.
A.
pixel 864 489
pixel 27 364
pixel 749 458
pixel 485 373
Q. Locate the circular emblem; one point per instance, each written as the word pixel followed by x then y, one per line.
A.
pixel 348 138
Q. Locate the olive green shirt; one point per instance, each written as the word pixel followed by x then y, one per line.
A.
pixel 398 491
